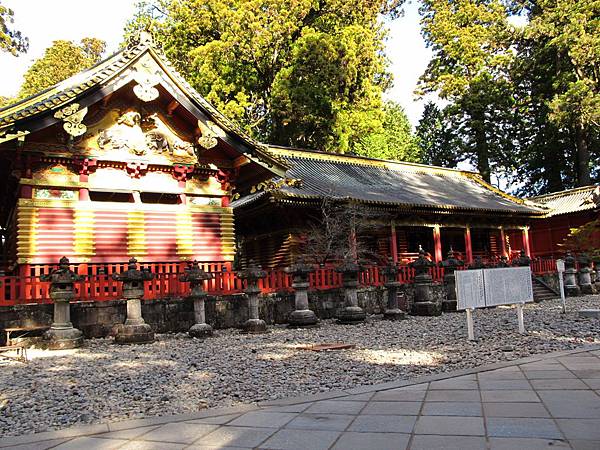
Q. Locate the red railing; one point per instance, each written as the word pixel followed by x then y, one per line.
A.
pixel 100 286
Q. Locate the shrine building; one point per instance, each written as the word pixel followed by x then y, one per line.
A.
pixel 124 159
pixel 419 205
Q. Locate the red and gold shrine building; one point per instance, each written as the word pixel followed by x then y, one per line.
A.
pixel 124 159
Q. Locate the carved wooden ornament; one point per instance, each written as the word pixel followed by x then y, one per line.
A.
pixel 72 117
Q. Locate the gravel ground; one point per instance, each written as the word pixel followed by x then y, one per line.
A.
pixel 105 382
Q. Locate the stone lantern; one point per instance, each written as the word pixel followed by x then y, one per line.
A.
pixel 477 263
pixel 302 316
pixel 423 305
pixel 252 274
pixel 596 261
pixel 62 334
pixel 450 265
pixel 135 330
pixel 571 287
pixel 523 260
pixel 392 312
pixel 196 277
pixel 351 313
pixel 585 272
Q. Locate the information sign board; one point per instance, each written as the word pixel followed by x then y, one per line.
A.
pixel 507 286
pixel 470 290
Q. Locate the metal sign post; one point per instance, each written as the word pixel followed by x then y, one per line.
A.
pixel 560 267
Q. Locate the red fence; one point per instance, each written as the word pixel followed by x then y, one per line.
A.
pixel 99 285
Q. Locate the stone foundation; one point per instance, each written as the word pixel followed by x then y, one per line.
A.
pixel 98 319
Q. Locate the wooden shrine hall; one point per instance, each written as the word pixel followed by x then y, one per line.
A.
pixel 432 207
pixel 122 160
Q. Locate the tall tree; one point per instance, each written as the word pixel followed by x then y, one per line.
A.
pixel 11 40
pixel 571 28
pixel 307 72
pixel 395 141
pixel 60 61
pixel 470 40
pixel 435 137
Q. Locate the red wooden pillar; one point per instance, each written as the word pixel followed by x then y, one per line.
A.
pixel 526 241
pixel 437 243
pixel 353 248
pixel 393 242
pixel 503 242
pixel 468 246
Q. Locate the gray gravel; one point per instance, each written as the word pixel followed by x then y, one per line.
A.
pixel 105 382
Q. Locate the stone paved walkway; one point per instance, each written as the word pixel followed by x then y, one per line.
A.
pixel 547 401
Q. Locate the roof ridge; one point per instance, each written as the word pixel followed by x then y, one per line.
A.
pixel 564 192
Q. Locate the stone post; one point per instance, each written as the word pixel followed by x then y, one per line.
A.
pixel 423 305
pixel 450 265
pixel 571 287
pixel 302 316
pixel 196 276
pixel 62 334
pixel 351 313
pixel 392 312
pixel 252 274
pixel 597 274
pixel 135 330
pixel 585 272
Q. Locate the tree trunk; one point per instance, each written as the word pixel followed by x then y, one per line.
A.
pixel 481 145
pixel 583 156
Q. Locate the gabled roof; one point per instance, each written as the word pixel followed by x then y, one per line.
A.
pixel 570 201
pixel 391 183
pixel 112 73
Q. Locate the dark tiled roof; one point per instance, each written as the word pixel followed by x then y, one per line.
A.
pixel 569 201
pixel 389 183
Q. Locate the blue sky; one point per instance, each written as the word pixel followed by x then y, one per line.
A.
pixel 46 21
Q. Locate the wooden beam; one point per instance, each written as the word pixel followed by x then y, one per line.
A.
pixel 173 105
pixel 393 242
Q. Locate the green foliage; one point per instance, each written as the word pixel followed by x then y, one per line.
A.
pixel 305 73
pixel 60 61
pixel 584 239
pixel 435 137
pixel 395 140
pixel 11 40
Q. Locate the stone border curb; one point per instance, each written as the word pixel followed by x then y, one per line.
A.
pixel 88 430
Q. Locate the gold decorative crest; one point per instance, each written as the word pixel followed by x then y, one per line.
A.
pixel 72 117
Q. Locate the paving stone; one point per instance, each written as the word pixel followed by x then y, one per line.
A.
pixel 547 374
pixel 91 443
pixel 339 407
pixel 587 373
pixel 355 398
pixel 453 384
pixel 129 434
pixel 179 433
pixel 584 429
pixel 372 441
pixel 452 396
pixel 320 422
pixel 429 442
pixel 452 409
pixel 301 440
pixel 417 387
pixel 499 443
pixel 446 425
pixel 494 385
pixel 384 424
pixel 559 384
pixel 235 437
pixel 522 427
pixel 593 383
pixel 502 375
pixel 263 419
pixel 515 410
pixel 147 445
pixel 584 445
pixel 509 396
pixel 571 404
pixel 42 445
pixel 398 408
pixel 400 395
pixel 297 408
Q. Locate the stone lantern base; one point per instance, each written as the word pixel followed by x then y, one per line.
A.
pixel 394 314
pixel 63 338
pixel 302 318
pixel 572 291
pixel 134 334
pixel 351 315
pixel 426 309
pixel 254 326
pixel 200 330
pixel 449 305
pixel 587 289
